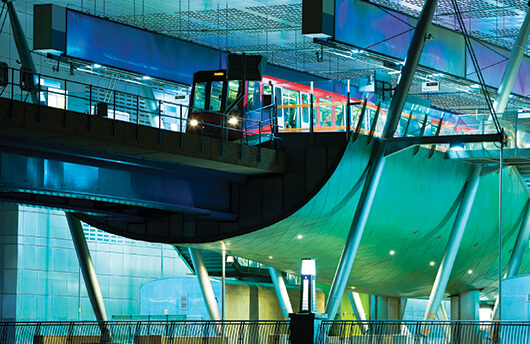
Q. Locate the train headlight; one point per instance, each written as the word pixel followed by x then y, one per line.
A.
pixel 194 122
pixel 232 121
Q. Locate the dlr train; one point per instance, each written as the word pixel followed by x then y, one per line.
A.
pixel 221 107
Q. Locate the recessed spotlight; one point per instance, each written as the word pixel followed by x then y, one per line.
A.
pixel 353 287
pixel 232 121
pixel 470 271
pixel 96 65
pixel 392 252
pixel 300 236
pixel 146 77
pixel 194 122
pixel 270 257
pixel 431 263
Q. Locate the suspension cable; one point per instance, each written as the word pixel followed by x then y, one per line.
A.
pixel 482 83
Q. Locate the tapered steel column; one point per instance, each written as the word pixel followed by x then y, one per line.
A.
pixel 517 254
pixel 512 67
pixel 151 105
pixel 23 49
pixel 87 267
pixel 378 160
pixel 204 282
pixel 453 244
pixel 281 292
pixel 358 309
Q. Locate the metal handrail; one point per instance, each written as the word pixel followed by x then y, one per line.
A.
pixel 17 90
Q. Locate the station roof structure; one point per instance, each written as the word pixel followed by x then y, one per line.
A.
pixel 273 29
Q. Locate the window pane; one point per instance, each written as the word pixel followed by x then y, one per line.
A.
pixel 339 115
pixel 253 95
pixel 233 89
pixel 199 98
pixel 216 95
pixel 326 112
pixel 305 110
pixel 291 97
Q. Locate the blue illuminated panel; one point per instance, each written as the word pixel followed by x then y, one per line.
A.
pixel 121 46
pixel 365 26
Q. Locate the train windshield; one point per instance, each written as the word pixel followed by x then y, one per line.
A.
pixel 216 96
pixel 199 98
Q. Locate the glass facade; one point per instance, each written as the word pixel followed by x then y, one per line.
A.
pixel 41 279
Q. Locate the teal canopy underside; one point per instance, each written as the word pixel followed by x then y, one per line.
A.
pixel 412 214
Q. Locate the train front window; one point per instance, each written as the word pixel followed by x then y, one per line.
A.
pixel 216 96
pixel 233 91
pixel 199 97
pixel 291 98
pixel 326 112
pixel 254 98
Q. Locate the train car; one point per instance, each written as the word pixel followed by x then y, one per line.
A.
pixel 220 107
pixel 223 108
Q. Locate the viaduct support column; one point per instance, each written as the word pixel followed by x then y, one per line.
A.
pixel 87 267
pixel 378 160
pixel 453 244
pixel 517 254
pixel 204 282
pixel 281 292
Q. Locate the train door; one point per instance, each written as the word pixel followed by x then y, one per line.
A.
pixel 291 100
pixel 305 109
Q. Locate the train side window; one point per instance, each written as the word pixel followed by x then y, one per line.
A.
pixel 233 90
pixel 199 97
pixel 216 96
pixel 253 95
pixel 326 112
pixel 267 95
pixel 339 115
pixel 305 110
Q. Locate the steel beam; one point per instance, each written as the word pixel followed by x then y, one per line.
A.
pixel 87 267
pixel 281 292
pixel 453 244
pixel 23 50
pixel 204 283
pixel 358 309
pixel 512 67
pixel 517 255
pixel 378 160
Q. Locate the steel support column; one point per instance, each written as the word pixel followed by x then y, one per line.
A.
pixel 378 160
pixel 358 309
pixel 204 283
pixel 281 292
pixel 151 105
pixel 517 254
pixel 453 244
pixel 87 267
pixel 23 49
pixel 512 67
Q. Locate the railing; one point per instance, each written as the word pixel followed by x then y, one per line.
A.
pixel 420 332
pixel 124 106
pixel 173 332
pixel 416 120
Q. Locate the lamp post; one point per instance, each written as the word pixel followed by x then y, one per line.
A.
pixel 308 296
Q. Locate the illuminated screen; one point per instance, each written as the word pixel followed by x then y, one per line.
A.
pixel 366 26
pixel 147 53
